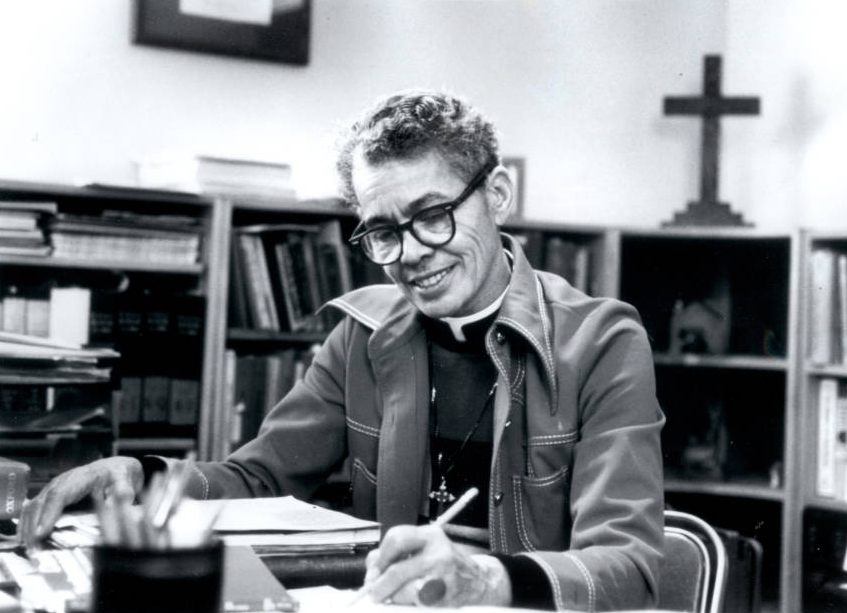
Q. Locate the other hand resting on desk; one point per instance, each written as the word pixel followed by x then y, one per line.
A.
pixel 409 555
pixel 117 477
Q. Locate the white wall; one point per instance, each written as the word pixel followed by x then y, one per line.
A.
pixel 576 88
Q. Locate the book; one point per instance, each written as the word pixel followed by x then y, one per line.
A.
pixel 827 408
pixel 155 398
pixel 37 317
pixel 335 275
pixel 840 444
pixel 40 206
pixel 218 175
pixel 129 318
pixel 262 305
pixel 14 312
pixel 58 419
pixel 19 220
pixel 304 276
pixel 238 309
pixel 289 289
pixel 70 308
pixel 157 351
pixel 822 315
pixel 186 351
pixel 842 306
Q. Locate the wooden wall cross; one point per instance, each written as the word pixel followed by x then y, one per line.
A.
pixel 710 106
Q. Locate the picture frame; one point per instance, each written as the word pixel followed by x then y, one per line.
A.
pixel 517 169
pixel 268 30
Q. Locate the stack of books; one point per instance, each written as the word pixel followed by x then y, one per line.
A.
pixel 219 176
pixel 126 237
pixel 20 227
pixel 31 367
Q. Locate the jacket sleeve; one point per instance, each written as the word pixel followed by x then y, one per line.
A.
pixel 300 443
pixel 617 484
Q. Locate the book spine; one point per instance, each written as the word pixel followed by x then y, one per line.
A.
pixel 842 306
pixel 70 308
pixel 827 408
pixel 14 313
pixel 840 435
pixel 253 274
pixel 38 317
pixel 822 297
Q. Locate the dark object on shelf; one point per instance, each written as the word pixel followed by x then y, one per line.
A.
pixel 703 325
pixel 705 455
pixel 281 36
pixel 709 211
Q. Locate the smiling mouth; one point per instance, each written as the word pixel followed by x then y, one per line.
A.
pixel 428 281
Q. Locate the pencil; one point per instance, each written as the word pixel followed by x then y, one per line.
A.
pixel 452 511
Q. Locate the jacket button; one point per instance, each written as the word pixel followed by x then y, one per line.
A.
pixel 498 498
pixel 500 337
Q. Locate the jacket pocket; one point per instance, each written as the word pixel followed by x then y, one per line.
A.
pixel 363 485
pixel 542 510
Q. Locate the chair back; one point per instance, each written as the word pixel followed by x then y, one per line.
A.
pixel 693 569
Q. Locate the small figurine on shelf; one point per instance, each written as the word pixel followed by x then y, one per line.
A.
pixel 703 325
pixel 705 455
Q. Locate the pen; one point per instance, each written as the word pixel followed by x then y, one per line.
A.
pixel 445 518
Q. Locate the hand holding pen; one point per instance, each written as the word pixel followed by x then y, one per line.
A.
pixel 420 565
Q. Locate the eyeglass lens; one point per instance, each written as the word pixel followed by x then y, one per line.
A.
pixel 432 227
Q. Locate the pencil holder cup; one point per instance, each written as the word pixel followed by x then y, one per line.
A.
pixel 185 580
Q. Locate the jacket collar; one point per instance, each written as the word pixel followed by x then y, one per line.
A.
pixel 393 320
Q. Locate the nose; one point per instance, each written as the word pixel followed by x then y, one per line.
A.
pixel 413 250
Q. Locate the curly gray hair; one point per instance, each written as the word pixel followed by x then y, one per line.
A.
pixel 411 123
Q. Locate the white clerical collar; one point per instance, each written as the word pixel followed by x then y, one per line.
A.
pixel 456 323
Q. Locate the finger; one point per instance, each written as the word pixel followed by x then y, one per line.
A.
pixel 392 583
pixel 25 521
pixel 403 541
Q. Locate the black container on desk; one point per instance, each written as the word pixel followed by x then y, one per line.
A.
pixel 157 580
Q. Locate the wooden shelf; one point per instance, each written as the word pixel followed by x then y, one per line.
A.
pixel 271 336
pixel 734 362
pixel 739 489
pixel 828 504
pixel 85 264
pixel 828 370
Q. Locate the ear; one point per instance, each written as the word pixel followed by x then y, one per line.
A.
pixel 500 194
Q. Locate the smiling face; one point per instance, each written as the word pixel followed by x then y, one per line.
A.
pixel 468 273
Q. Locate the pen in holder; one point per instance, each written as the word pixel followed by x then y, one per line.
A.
pixel 137 566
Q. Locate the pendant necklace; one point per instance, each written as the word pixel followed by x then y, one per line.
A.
pixel 441 496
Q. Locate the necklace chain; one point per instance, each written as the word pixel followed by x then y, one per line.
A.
pixel 441 495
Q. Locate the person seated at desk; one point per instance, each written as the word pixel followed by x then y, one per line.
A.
pixel 472 369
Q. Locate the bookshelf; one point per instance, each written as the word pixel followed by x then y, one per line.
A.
pixel 122 250
pixel 822 394
pixel 720 309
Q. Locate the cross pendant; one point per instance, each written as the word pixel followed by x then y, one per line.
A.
pixel 441 496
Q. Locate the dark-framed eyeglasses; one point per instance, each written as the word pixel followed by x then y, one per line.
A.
pixel 433 226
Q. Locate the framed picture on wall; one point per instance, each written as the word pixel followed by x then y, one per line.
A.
pixel 270 30
pixel 516 168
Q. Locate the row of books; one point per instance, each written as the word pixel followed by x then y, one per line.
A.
pixel 21 231
pixel 160 336
pixel 255 383
pixel 61 313
pixel 832 439
pixel 570 259
pixel 282 274
pixel 31 371
pixel 38 229
pixel 828 314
